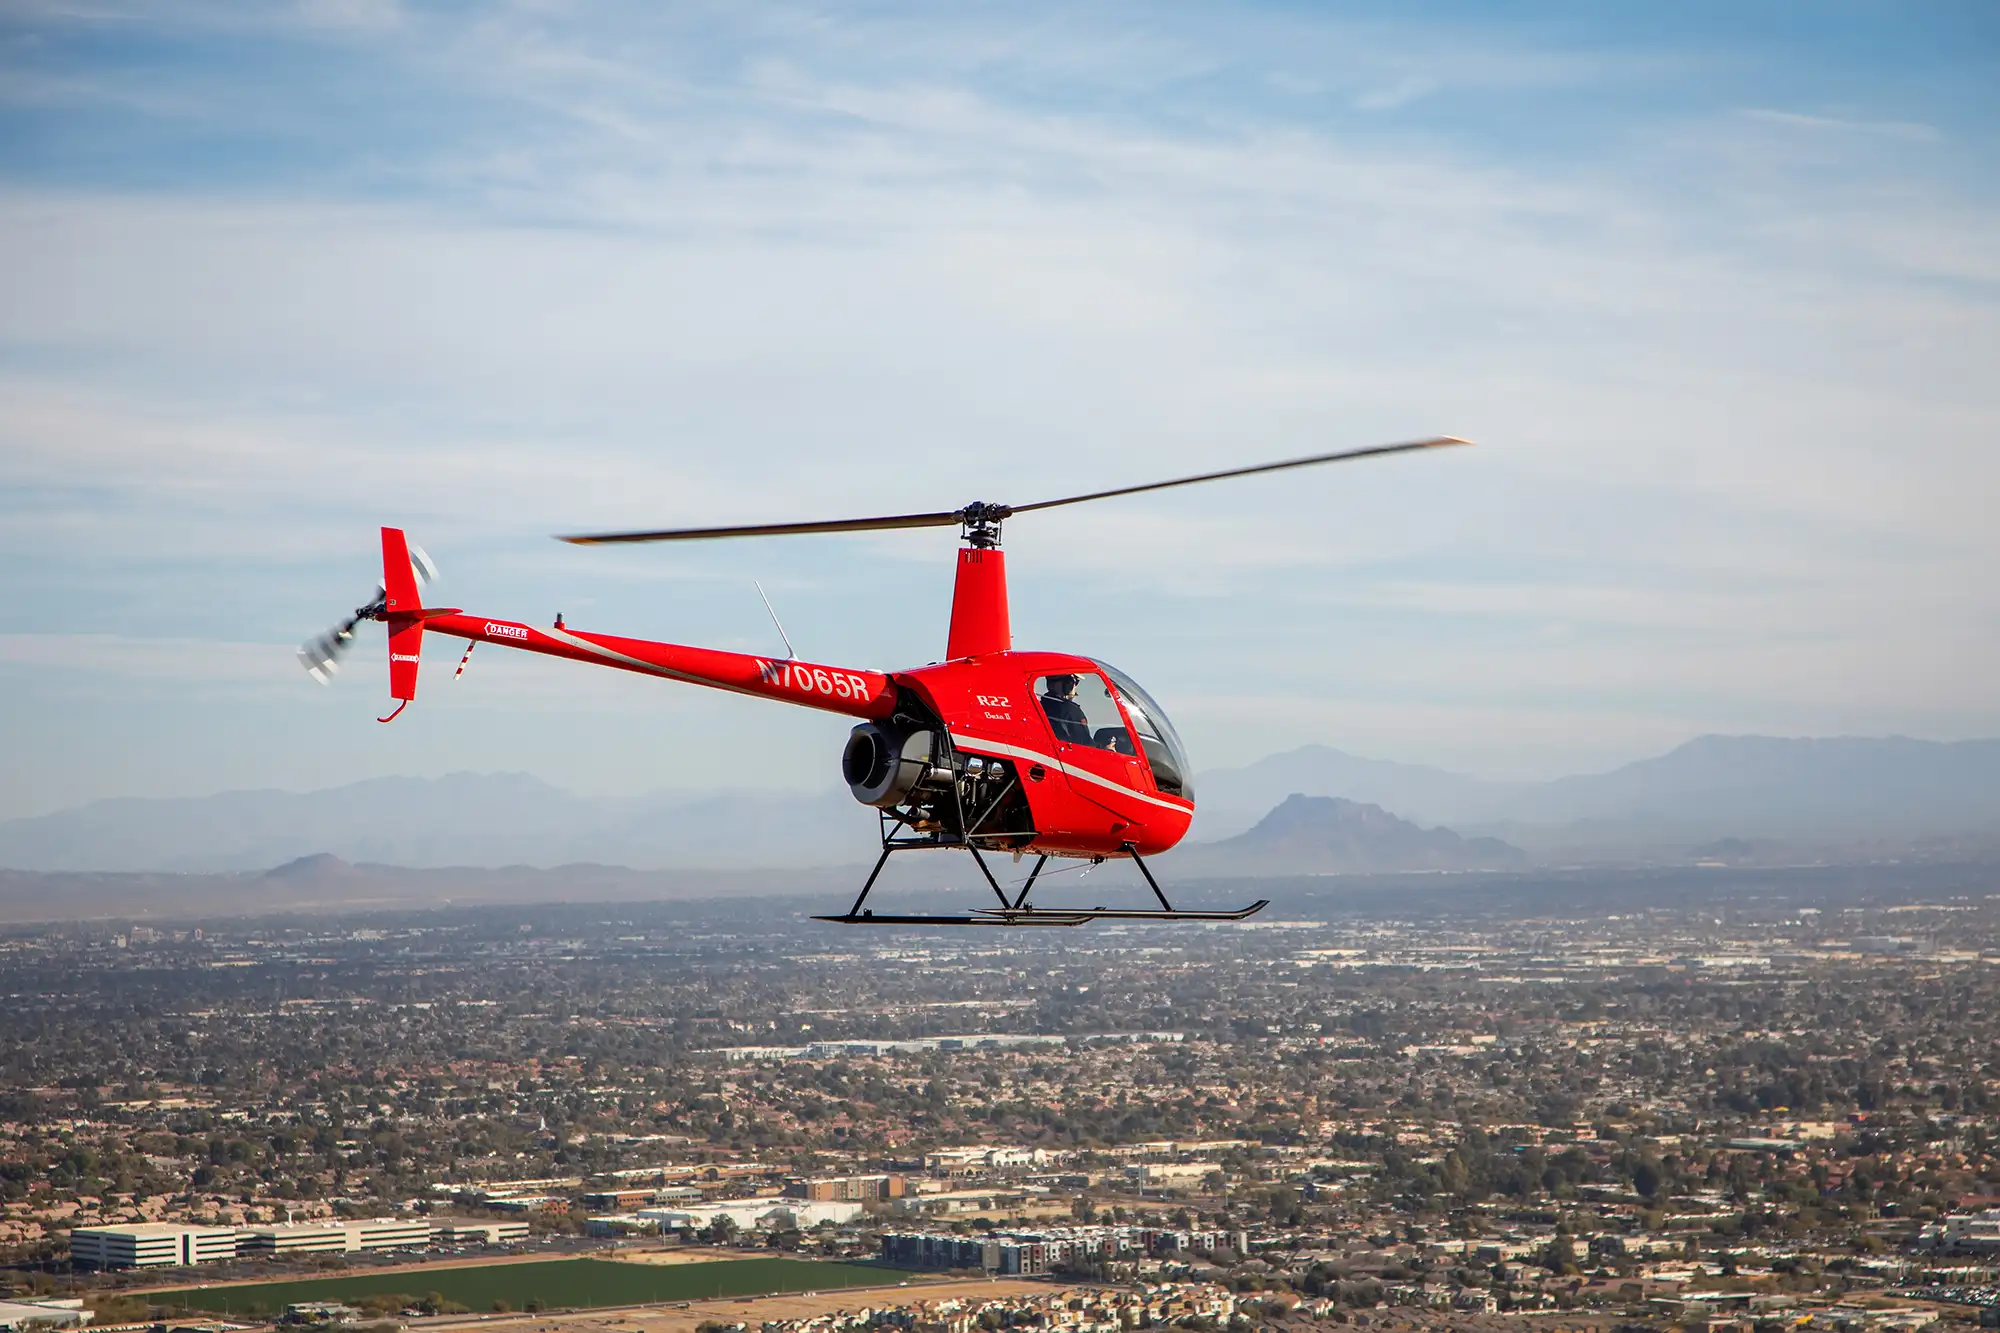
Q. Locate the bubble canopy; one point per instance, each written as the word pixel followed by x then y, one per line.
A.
pixel 1164 752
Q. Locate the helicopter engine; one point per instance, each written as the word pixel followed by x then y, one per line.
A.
pixel 884 764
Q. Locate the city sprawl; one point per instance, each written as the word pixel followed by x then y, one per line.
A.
pixel 1712 1098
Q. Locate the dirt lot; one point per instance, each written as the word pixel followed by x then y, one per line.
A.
pixel 679 1255
pixel 749 1310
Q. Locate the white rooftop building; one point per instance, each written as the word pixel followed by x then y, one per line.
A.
pixel 459 1231
pixel 63 1312
pixel 750 1214
pixel 1966 1233
pixel 333 1236
pixel 151 1245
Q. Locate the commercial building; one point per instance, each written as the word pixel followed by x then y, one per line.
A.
pixel 390 1233
pixel 151 1245
pixel 459 1231
pixel 296 1238
pixel 320 1312
pixel 327 1237
pixel 56 1312
pixel 753 1214
pixel 975 1158
pixel 1170 1175
pixel 551 1204
pixel 990 1199
pixel 614 1200
pixel 1965 1233
pixel 492 1189
pixel 1026 1253
pixel 848 1189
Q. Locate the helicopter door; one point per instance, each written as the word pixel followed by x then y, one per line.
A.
pixel 1090 732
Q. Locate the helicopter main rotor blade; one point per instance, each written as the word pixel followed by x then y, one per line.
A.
pixel 940 520
pixel 1440 442
pixel 986 513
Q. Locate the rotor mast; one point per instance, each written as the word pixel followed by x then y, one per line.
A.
pixel 980 623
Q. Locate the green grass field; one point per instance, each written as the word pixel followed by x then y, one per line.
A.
pixel 554 1284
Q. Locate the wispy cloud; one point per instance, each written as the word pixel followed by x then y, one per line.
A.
pixel 1909 131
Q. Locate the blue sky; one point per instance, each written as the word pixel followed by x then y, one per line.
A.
pixel 1714 287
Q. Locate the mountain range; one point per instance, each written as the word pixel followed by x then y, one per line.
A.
pixel 461 819
pixel 1731 792
pixel 1840 790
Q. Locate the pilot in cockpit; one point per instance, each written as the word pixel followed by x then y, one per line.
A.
pixel 1066 715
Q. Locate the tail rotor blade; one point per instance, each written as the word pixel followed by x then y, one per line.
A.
pixel 321 656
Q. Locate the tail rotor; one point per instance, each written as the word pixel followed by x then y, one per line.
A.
pixel 321 656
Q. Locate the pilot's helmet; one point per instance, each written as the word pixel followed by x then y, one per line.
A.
pixel 1062 686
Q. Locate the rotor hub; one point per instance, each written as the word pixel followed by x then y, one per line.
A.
pixel 980 524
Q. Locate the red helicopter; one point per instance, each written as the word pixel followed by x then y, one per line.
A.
pixel 991 750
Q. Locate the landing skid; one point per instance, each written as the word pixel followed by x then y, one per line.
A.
pixel 1026 918
pixel 1076 914
pixel 1018 912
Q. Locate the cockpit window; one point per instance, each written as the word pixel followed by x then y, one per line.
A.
pixel 1157 737
pixel 1081 711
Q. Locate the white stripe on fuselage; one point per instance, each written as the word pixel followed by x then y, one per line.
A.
pixel 613 655
pixel 1034 756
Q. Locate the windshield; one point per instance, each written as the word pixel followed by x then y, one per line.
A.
pixel 1157 737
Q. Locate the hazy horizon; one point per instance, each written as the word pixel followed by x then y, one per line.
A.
pixel 817 784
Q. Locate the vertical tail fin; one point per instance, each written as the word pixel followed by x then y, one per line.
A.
pixel 404 614
pixel 979 621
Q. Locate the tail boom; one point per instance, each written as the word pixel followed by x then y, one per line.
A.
pixel 830 689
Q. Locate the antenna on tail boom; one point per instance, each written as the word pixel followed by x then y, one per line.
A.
pixel 791 654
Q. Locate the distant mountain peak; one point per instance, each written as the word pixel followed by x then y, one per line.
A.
pixel 1313 835
pixel 1299 811
pixel 319 865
